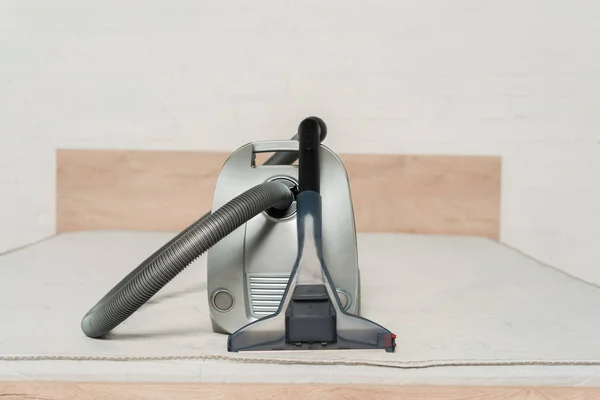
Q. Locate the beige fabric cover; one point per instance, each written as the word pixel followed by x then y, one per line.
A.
pixel 465 310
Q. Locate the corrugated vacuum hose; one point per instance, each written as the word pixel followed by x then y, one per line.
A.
pixel 162 266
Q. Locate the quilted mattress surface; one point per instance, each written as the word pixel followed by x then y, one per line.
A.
pixel 465 311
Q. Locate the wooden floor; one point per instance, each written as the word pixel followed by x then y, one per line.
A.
pixel 184 391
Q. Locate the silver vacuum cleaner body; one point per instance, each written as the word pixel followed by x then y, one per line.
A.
pixel 248 271
pixel 282 259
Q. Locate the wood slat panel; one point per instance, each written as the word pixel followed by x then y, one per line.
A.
pixel 168 190
pixel 215 391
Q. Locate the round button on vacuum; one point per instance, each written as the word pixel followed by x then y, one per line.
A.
pixel 343 298
pixel 223 300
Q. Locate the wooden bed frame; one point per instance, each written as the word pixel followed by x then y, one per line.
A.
pixel 194 391
pixel 168 190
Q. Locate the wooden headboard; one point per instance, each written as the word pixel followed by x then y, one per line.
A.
pixel 168 190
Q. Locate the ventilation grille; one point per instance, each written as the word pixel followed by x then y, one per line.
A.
pixel 266 293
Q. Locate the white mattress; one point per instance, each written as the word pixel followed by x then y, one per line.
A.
pixel 465 311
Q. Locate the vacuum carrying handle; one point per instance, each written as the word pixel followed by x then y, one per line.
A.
pixel 309 134
pixel 271 146
pixel 287 152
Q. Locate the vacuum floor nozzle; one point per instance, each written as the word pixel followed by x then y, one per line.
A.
pixel 310 315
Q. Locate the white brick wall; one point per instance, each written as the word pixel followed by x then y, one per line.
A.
pixel 516 78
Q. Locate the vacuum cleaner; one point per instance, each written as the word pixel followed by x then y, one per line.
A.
pixel 282 255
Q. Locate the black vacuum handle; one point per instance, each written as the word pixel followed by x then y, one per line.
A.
pixel 309 138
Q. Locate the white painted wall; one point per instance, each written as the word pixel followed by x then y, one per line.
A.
pixel 516 78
